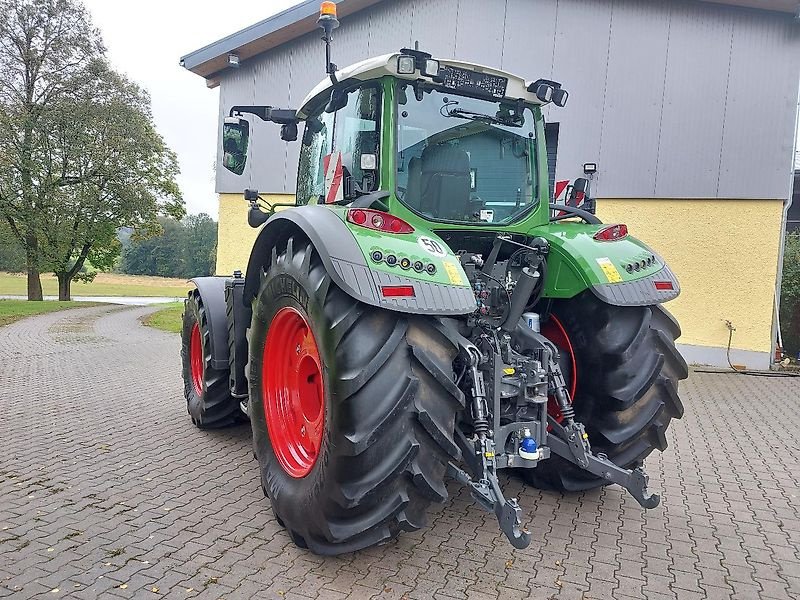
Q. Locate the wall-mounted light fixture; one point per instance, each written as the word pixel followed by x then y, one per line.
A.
pixel 233 60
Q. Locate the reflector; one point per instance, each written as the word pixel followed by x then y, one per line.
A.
pixel 397 291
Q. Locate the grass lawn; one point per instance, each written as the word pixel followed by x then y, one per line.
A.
pixel 169 318
pixel 13 310
pixel 105 284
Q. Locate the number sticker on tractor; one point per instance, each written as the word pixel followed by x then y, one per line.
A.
pixel 453 274
pixel 432 246
pixel 610 270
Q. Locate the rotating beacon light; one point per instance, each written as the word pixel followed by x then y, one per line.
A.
pixel 328 22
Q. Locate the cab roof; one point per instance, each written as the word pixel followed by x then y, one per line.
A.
pixel 386 64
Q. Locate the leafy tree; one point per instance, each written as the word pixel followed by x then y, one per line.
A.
pixel 124 177
pixel 48 51
pixel 12 255
pixel 790 294
pixel 79 155
pixel 183 249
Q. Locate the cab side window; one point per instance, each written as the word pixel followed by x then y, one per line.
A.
pixel 356 137
pixel 317 144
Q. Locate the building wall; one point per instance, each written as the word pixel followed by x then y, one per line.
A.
pixel 725 255
pixel 678 98
pixel 235 238
pixel 687 107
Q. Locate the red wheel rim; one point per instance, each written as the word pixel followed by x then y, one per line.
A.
pixel 196 359
pixel 293 392
pixel 554 331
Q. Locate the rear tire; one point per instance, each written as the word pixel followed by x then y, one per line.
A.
pixel 627 369
pixel 389 410
pixel 208 397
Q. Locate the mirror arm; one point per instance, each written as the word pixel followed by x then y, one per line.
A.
pixel 282 116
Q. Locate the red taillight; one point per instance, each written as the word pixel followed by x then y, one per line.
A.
pixel 378 220
pixel 664 286
pixel 398 291
pixel 611 233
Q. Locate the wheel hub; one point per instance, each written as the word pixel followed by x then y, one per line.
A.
pixel 196 362
pixel 293 392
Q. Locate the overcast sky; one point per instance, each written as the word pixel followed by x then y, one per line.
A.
pixel 145 40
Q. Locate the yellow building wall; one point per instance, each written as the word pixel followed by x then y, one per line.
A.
pixel 724 252
pixel 235 237
pixel 725 255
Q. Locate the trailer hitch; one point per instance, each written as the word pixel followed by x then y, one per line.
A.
pixel 486 490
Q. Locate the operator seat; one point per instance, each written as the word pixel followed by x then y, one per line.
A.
pixel 444 182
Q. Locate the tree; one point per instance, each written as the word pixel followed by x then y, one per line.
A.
pixel 184 249
pixel 82 157
pixel 48 51
pixel 790 294
pixel 124 176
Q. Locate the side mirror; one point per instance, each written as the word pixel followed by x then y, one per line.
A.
pixel 235 138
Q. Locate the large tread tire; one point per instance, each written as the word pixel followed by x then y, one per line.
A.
pixel 390 412
pixel 628 370
pixel 213 406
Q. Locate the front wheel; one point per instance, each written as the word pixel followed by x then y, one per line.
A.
pixel 352 408
pixel 623 369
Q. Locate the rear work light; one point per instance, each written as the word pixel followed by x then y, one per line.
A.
pixel 378 220
pixel 611 233
pixel 664 286
pixel 398 291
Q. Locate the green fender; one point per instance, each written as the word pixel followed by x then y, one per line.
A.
pixel 624 272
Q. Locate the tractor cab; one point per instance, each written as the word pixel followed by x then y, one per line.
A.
pixel 445 141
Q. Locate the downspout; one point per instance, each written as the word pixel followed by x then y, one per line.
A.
pixel 776 322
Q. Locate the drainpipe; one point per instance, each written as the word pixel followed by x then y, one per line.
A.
pixel 776 322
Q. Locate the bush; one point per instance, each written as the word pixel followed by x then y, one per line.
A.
pixel 790 295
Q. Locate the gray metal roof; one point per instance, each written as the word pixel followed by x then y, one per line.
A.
pixel 301 19
pixel 264 35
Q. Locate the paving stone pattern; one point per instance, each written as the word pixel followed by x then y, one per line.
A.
pixel 107 490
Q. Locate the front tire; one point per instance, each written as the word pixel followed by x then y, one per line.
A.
pixel 626 370
pixel 206 389
pixel 385 405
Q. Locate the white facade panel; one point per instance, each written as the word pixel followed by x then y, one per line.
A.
pixel 760 107
pixel 634 93
pixel 581 64
pixel 695 89
pixel 672 99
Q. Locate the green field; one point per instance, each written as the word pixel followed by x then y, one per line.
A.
pixel 105 284
pixel 169 318
pixel 13 310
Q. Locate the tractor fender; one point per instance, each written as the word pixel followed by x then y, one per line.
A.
pixel 578 262
pixel 346 265
pixel 212 295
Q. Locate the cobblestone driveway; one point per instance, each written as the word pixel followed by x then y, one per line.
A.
pixel 106 490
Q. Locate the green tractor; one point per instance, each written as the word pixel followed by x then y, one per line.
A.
pixel 424 312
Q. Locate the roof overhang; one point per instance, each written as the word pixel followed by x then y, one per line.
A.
pixel 301 19
pixel 263 36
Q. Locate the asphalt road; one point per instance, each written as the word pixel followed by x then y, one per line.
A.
pixel 107 490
